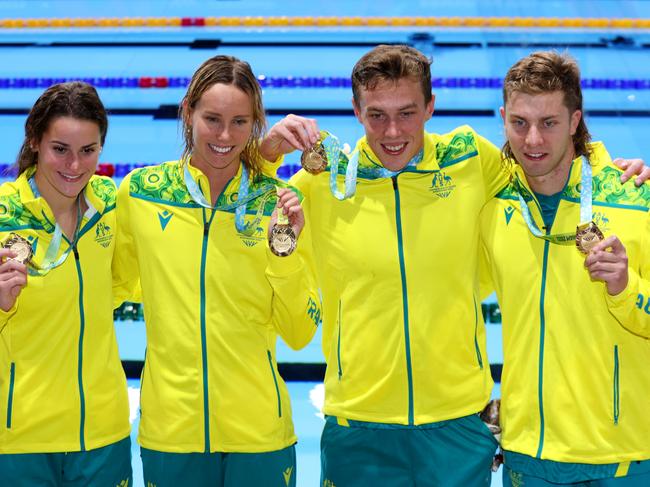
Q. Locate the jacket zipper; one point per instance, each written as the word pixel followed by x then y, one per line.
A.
pixel 10 399
pixel 82 326
pixel 204 345
pixel 338 345
pixel 540 366
pixel 407 342
pixel 617 389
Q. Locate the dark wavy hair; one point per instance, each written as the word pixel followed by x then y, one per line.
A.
pixel 74 99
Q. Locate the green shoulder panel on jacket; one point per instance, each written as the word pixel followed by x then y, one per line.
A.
pixel 105 189
pixel 13 215
pixel 510 193
pixel 607 188
pixel 456 147
pixel 163 182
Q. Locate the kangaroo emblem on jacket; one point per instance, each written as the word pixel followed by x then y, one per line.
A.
pixel 442 185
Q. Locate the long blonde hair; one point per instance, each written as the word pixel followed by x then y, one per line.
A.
pixel 227 70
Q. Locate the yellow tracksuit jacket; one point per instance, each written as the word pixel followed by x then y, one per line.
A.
pixel 575 385
pixel 403 334
pixel 214 302
pixel 61 382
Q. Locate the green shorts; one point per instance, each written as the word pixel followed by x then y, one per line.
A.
pixel 523 470
pixel 108 466
pixel 269 469
pixel 453 453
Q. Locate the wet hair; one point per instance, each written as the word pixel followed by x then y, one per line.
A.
pixel 391 63
pixel 227 70
pixel 74 99
pixel 547 72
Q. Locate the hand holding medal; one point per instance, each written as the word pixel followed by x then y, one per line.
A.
pixel 291 133
pixel 286 223
pixel 14 255
pixel 607 261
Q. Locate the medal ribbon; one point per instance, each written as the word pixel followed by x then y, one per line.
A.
pixel 282 218
pixel 243 198
pixel 586 185
pixel 332 150
pixel 50 261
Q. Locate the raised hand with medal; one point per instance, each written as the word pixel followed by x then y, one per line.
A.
pixel 14 252
pixel 291 133
pixel 607 261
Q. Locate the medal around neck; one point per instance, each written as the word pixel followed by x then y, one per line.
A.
pixel 19 246
pixel 587 236
pixel 314 159
pixel 282 240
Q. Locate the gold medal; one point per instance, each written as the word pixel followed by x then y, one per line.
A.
pixel 282 240
pixel 314 160
pixel 587 236
pixel 19 246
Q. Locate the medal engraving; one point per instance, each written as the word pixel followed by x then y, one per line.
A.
pixel 587 236
pixel 282 240
pixel 19 246
pixel 314 160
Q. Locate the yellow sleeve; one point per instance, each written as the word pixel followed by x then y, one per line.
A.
pixel 126 273
pixel 296 302
pixel 495 176
pixel 270 168
pixel 631 307
pixel 301 180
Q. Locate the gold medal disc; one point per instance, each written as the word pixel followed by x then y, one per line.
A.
pixel 19 246
pixel 587 236
pixel 314 160
pixel 282 241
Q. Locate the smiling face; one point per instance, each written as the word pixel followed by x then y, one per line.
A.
pixel 540 129
pixel 67 157
pixel 222 123
pixel 393 115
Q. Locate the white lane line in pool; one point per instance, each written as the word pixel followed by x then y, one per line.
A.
pixel 317 399
pixel 134 403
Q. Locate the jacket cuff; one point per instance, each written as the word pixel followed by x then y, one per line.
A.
pixel 627 297
pixel 5 315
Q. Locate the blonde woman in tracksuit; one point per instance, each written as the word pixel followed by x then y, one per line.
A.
pixel 64 415
pixel 215 411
